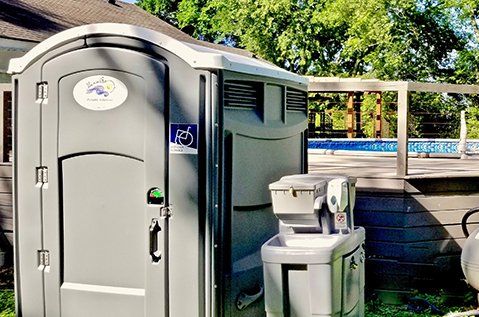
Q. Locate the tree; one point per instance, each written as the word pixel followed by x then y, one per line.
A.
pixel 164 9
pixel 399 39
pixel 386 39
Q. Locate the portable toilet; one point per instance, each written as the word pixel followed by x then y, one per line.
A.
pixel 141 172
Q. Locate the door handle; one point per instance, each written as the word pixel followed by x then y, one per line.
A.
pixel 155 229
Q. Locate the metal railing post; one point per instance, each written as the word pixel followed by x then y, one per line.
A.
pixel 402 132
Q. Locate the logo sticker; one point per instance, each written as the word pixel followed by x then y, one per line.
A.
pixel 184 138
pixel 100 92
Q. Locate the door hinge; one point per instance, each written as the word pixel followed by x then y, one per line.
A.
pixel 43 259
pixel 166 211
pixel 42 175
pixel 42 91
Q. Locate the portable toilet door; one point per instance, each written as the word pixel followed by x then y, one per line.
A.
pixel 102 170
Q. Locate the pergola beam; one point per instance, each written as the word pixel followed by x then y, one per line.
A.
pixel 359 86
pixel 443 88
pixel 341 85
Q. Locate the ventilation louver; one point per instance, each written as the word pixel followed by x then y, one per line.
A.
pixel 296 100
pixel 241 94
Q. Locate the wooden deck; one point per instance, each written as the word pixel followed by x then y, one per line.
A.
pixel 385 167
pixel 413 231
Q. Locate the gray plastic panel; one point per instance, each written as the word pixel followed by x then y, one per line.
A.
pixel 79 131
pixel 104 245
pixel 133 132
pixel 299 304
pixel 84 303
pixel 353 267
pixel 261 146
pixel 185 227
pixel 259 162
pixel 28 213
pixel 274 96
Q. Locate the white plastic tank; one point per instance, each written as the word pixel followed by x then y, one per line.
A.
pixel 470 259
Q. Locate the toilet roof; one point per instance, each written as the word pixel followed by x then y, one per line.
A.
pixel 199 57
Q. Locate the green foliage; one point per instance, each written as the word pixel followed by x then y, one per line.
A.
pixel 368 114
pixel 386 39
pixel 7 303
pixel 472 119
pixel 375 308
pixel 164 9
pixel 400 39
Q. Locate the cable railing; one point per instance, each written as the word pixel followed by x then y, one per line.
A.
pixel 400 111
pixel 431 125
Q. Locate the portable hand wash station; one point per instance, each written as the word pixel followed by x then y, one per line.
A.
pixel 315 265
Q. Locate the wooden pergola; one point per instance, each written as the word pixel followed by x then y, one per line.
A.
pixel 403 89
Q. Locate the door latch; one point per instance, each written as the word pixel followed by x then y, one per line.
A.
pixel 166 211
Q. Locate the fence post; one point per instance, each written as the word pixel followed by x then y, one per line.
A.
pixel 402 132
pixel 378 125
pixel 462 146
pixel 350 115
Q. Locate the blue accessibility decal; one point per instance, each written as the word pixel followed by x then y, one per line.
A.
pixel 184 138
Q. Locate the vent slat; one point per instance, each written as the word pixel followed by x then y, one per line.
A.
pixel 241 94
pixel 241 100
pixel 241 105
pixel 242 87
pixel 296 96
pixel 297 93
pixel 296 100
pixel 235 96
pixel 244 84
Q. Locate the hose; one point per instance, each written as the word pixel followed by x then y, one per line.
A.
pixel 421 305
pixel 466 216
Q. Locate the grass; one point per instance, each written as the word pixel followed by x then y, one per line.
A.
pixel 7 298
pixel 7 303
pixel 423 305
pixel 374 308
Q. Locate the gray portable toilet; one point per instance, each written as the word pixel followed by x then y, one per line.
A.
pixel 141 172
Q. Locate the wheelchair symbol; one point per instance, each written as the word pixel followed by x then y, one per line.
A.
pixel 184 138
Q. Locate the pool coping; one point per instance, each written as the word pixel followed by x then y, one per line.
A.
pixel 387 154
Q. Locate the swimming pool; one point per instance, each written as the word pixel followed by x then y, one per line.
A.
pixel 390 145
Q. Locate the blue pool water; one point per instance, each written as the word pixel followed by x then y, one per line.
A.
pixel 390 145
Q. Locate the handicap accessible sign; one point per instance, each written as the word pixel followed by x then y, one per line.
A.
pixel 184 138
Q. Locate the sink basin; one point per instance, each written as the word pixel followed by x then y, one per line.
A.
pixel 310 247
pixel 310 242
